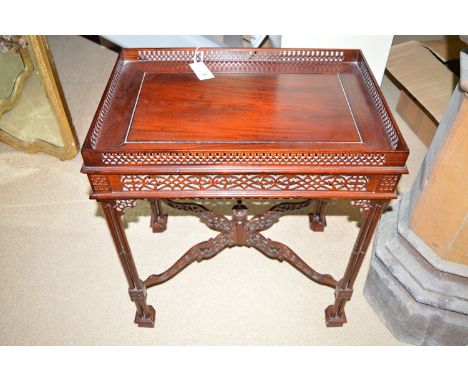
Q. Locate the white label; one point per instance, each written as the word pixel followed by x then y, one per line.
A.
pixel 201 70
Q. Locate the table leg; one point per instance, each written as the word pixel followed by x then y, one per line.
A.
pixel 158 219
pixel 371 209
pixel 145 314
pixel 317 220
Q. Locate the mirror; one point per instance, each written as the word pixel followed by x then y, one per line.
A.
pixel 15 69
pixel 11 67
pixel 33 113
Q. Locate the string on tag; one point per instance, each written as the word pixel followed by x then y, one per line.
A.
pixel 195 55
pixel 199 67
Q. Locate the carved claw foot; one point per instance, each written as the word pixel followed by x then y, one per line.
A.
pixel 317 219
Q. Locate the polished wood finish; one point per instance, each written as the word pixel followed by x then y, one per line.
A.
pixel 317 219
pixel 273 123
pixel 158 218
pixel 334 314
pixel 239 231
pixel 145 314
pixel 260 108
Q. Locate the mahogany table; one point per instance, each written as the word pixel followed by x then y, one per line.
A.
pixel 273 123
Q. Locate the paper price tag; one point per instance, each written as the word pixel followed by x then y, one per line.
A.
pixel 201 70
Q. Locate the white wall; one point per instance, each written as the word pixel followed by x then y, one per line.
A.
pixel 165 41
pixel 375 48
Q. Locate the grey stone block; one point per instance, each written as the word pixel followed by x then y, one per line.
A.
pixel 418 304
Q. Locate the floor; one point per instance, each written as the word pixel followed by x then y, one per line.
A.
pixel 61 282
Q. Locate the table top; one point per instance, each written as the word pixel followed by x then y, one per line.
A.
pixel 297 110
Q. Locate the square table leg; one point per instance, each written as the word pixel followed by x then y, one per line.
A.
pixel 158 218
pixel 334 314
pixel 145 314
pixel 317 220
pixel 372 210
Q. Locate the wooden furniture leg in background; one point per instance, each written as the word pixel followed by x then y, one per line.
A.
pixel 371 209
pixel 145 314
pixel 317 220
pixel 158 219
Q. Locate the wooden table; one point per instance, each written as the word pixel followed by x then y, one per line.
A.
pixel 273 123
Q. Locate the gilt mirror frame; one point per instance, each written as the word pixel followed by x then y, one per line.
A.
pixel 18 85
pixel 53 89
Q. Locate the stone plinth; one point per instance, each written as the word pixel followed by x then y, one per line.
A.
pixel 418 277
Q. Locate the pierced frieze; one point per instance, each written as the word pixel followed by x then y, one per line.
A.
pixel 213 158
pixel 387 183
pixel 99 182
pixel 364 205
pixel 247 66
pixel 105 106
pixel 121 204
pixel 386 121
pixel 270 66
pixel 244 182
pixel 276 55
pixel 191 207
pixel 270 217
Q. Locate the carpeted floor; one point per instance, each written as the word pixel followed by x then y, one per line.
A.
pixel 61 281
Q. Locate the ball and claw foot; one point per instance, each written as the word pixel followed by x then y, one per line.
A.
pixel 146 322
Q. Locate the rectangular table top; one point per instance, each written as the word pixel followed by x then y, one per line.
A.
pixel 296 110
pixel 247 108
pixel 301 103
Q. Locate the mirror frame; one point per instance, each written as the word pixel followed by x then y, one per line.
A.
pixel 49 76
pixel 15 95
